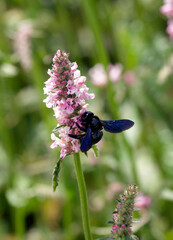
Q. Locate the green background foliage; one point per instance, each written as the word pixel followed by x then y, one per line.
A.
pixel 93 31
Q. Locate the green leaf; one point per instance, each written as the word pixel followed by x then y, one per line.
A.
pixel 96 151
pixel 55 130
pixel 55 178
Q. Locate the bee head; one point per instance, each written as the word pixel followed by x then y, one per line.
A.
pixel 87 116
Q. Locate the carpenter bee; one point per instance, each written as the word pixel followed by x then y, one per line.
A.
pixel 92 127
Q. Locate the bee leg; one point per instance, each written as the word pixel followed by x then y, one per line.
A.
pixel 96 137
pixel 81 128
pixel 76 136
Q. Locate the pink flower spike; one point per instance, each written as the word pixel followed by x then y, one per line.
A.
pixel 124 211
pixel 22 44
pixel 66 94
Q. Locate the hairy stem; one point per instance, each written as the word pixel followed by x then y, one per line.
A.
pixel 83 197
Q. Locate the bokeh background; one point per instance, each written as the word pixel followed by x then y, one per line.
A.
pixel 131 33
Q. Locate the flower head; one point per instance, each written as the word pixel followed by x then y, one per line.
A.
pixel 129 77
pixel 115 72
pixel 167 8
pixel 98 75
pixel 114 189
pixel 123 214
pixel 142 201
pixel 66 95
pixel 169 29
pixel 22 44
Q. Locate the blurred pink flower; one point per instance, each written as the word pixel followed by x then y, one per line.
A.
pixel 169 29
pixel 93 160
pixel 115 72
pixel 168 1
pixel 142 201
pixel 167 8
pixel 98 75
pixel 100 144
pixel 22 42
pixel 66 95
pixel 129 77
pixel 114 189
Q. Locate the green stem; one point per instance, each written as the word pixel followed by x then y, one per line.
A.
pixel 83 197
pixel 19 222
pixel 91 16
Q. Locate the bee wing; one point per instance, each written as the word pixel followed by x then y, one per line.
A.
pixel 86 142
pixel 117 126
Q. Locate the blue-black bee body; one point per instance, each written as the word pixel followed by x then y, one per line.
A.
pixel 92 127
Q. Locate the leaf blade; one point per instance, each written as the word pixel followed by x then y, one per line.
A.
pixel 55 175
pixel 96 151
